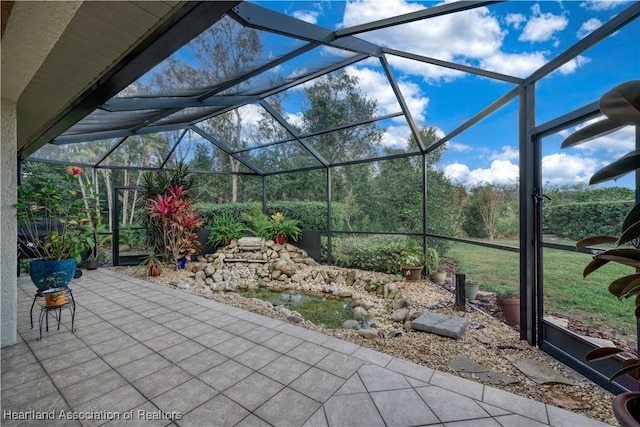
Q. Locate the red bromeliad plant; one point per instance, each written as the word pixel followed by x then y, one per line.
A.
pixel 175 219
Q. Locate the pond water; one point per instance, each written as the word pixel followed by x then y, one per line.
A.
pixel 317 308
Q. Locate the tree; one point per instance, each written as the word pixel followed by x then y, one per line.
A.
pixel 227 50
pixel 487 204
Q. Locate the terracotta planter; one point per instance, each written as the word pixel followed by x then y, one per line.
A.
pixel 281 239
pixel 54 299
pixel 153 270
pixel 626 408
pixel 412 274
pixel 510 309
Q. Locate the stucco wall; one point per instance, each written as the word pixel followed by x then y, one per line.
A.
pixel 8 227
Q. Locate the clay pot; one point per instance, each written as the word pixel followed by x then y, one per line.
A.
pixel 280 239
pixel 471 290
pixel 154 270
pixel 54 299
pixel 92 264
pixel 439 277
pixel 510 309
pixel 412 274
pixel 626 408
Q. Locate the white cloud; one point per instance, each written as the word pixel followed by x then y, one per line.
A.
pixel 515 20
pixel 571 66
pixel 542 26
pixel 376 87
pixel 473 37
pixel 588 27
pixel 501 172
pixel 507 153
pixel 469 35
pixel 602 4
pixel 457 172
pixel 294 119
pixel 520 65
pixel 396 136
pixel 310 16
pixel 458 147
pixel 563 169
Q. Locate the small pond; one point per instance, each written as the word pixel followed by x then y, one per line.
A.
pixel 319 309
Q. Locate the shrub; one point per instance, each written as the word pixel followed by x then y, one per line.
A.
pixel 311 215
pixel 225 228
pixel 579 220
pixel 383 253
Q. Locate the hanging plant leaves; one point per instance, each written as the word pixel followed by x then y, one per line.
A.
pixel 590 132
pixel 630 257
pixel 602 353
pixel 625 286
pixel 631 226
pixel 627 370
pixel 593 266
pixel 595 240
pixel 625 164
pixel 632 232
pixel 622 103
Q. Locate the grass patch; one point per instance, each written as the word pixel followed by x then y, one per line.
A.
pixel 566 293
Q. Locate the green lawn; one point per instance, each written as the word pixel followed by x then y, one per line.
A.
pixel 566 293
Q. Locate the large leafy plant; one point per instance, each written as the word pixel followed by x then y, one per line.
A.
pixel 53 223
pixel 277 224
pixel 621 106
pixel 225 228
pixel 173 218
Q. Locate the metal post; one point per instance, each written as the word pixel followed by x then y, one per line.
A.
pixel 329 213
pixel 460 292
pixel 264 194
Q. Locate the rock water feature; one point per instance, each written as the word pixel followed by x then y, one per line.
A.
pixel 255 268
pixel 318 309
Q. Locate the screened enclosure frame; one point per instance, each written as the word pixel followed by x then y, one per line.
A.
pixel 86 123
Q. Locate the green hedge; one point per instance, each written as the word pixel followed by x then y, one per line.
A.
pixel 381 253
pixel 312 215
pixel 579 220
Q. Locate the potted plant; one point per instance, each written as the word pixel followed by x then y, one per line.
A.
pixel 92 207
pixel 175 220
pixel 621 106
pixel 471 289
pixel 412 261
pixel 509 303
pixel 278 228
pixel 224 229
pixel 52 229
pixel 152 264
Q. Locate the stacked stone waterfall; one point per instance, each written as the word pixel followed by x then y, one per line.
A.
pixel 251 262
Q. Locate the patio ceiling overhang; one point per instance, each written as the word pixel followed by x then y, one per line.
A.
pixel 109 45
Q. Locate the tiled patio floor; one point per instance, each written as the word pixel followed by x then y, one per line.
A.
pixel 143 351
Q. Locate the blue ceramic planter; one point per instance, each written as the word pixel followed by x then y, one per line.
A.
pixel 182 262
pixel 47 274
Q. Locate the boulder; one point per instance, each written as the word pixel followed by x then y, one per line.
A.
pixel 368 334
pixel 399 302
pixel 360 313
pixel 440 324
pixel 400 315
pixel 351 324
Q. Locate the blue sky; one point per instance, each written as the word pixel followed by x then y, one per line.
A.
pixel 514 38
